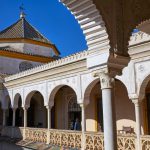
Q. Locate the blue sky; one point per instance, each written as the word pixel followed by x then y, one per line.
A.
pixel 51 18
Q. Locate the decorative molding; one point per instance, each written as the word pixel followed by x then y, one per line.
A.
pixel 57 63
pixel 138 38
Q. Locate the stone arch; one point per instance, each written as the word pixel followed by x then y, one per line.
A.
pixel 88 90
pixel 142 87
pixel 55 90
pixel 90 21
pixel 16 100
pixel 29 96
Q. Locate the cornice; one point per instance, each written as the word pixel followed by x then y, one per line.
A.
pixel 63 61
pixel 30 41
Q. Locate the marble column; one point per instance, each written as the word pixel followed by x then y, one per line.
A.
pixel 25 122
pixel 83 117
pixel 48 117
pixel 138 122
pixel 25 117
pixel 110 137
pixel 4 117
pixel 14 117
pixel 83 125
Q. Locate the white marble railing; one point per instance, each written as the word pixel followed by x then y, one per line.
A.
pixel 67 138
pixel 63 61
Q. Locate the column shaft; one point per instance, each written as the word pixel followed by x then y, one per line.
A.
pixel 25 117
pixel 83 118
pixel 14 118
pixel 110 138
pixel 4 117
pixel 138 124
pixel 48 117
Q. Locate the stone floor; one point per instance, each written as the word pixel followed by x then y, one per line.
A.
pixel 11 144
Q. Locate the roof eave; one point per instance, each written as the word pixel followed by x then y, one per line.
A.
pixel 30 41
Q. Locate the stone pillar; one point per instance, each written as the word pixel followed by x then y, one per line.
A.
pixel 83 117
pixel 4 117
pixel 48 117
pixel 110 137
pixel 25 122
pixel 25 117
pixel 138 122
pixel 14 117
pixel 49 107
pixel 83 125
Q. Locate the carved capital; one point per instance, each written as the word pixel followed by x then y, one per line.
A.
pixel 49 107
pixel 25 108
pixel 51 104
pixel 106 81
pixel 136 102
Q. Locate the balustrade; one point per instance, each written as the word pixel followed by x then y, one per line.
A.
pixel 72 139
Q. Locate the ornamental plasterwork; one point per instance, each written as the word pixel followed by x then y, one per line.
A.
pixel 138 38
pixel 142 72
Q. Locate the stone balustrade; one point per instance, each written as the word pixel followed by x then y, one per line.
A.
pixel 69 138
pixel 145 142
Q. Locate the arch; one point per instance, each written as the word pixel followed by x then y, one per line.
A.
pixel 55 90
pixel 142 87
pixel 16 100
pixel 90 21
pixel 29 96
pixel 88 90
pixel 36 111
pixel 60 98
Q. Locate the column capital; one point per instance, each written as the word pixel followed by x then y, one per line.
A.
pixel 25 108
pixel 49 107
pixel 105 78
pixel 136 102
pixel 82 105
pixel 14 109
pixel 106 81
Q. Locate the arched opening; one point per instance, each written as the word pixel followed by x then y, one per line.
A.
pixel 36 113
pixel 146 110
pixel 125 120
pixel 9 113
pixel 74 112
pixel 19 110
pixel 125 111
pixel 65 110
pixel 94 109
